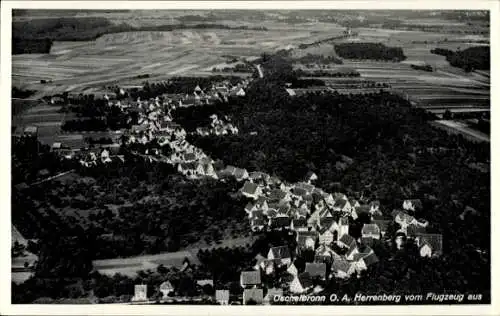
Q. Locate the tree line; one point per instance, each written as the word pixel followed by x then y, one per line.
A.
pixel 477 57
pixel 376 51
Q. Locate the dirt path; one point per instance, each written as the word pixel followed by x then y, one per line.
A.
pixel 130 266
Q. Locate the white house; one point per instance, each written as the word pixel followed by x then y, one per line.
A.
pixel 166 288
pixel 140 293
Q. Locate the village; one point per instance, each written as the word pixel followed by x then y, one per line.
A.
pixel 319 221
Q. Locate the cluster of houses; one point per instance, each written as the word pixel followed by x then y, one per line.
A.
pixel 218 127
pixel 319 221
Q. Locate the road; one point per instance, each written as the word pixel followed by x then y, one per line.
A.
pixel 130 266
pixel 458 127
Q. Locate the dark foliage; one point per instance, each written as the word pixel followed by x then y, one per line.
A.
pixel 422 67
pixel 21 93
pixel 376 51
pixel 469 59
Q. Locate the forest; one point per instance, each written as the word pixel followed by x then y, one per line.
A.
pixel 374 51
pixel 477 57
pixel 21 93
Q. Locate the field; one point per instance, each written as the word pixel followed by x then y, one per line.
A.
pixel 118 58
pixel 49 121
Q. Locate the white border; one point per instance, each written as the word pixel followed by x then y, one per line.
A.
pixel 5 81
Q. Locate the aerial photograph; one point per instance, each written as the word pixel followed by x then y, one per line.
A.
pixel 250 157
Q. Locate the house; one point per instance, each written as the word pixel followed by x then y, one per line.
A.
pixel 250 278
pixel 343 227
pixel 375 208
pixel 366 261
pixel 310 177
pixel 258 260
pixel 403 218
pixel 253 296
pixel 292 269
pixel 382 225
pixel 325 254
pixel 413 230
pixel 282 253
pixel 342 268
pixel 204 282
pixel 326 220
pixel 166 288
pixel 325 236
pixel 370 230
pixel 250 207
pixel 277 195
pixel 251 190
pixel 256 214
pixel 342 205
pixel 306 240
pixel 140 293
pixel 56 146
pixel 360 210
pixel 430 244
pixel 222 297
pixel 352 252
pixel 290 92
pixel 301 283
pixel 299 224
pixel 268 266
pixel 272 295
pixel 414 205
pixel 30 131
pixel 240 174
pixel 305 186
pixel 346 241
pixel 229 170
pixel 316 270
pixel 280 222
pixel 240 92
pixel 44 173
pixel 206 169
